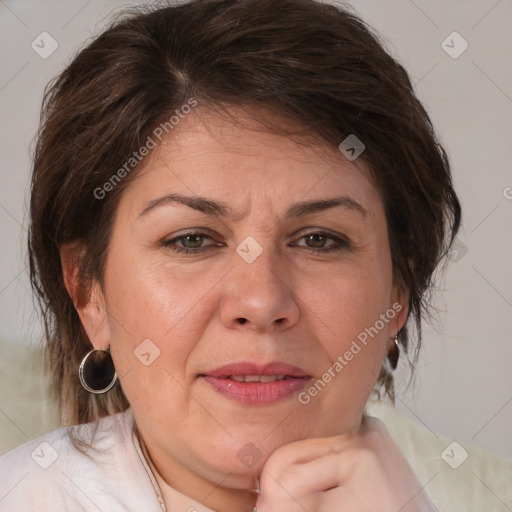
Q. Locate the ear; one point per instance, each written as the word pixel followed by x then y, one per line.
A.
pixel 90 307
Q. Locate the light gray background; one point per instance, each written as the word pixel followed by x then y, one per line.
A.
pixel 463 387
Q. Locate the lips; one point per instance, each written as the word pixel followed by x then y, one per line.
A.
pixel 254 384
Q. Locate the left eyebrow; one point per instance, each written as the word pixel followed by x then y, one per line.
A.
pixel 309 207
pixel 218 208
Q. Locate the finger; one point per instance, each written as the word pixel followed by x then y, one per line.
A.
pixel 305 450
pixel 299 480
pixel 308 449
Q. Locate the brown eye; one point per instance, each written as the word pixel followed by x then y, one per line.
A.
pixel 316 240
pixel 191 241
pixel 321 242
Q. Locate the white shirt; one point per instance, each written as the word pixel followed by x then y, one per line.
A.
pixel 50 474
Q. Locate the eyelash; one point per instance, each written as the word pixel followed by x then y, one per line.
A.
pixel 341 244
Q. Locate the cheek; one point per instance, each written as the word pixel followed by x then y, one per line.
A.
pixel 154 327
pixel 355 312
pixel 352 299
pixel 152 300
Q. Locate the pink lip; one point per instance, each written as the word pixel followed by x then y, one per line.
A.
pixel 257 393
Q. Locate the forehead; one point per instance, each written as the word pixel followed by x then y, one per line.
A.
pixel 238 159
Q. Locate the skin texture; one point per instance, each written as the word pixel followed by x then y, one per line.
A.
pixel 299 307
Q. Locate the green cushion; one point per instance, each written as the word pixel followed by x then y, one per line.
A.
pixel 28 409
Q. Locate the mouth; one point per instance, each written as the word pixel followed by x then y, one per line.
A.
pixel 253 384
pixel 258 378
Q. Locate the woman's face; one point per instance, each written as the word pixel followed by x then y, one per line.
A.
pixel 287 264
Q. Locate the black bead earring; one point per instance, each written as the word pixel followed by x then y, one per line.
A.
pixel 394 354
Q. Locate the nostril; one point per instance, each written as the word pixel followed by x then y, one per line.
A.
pixel 242 320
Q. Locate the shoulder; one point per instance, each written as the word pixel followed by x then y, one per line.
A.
pixel 55 473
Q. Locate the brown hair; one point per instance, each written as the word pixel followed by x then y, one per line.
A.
pixel 316 64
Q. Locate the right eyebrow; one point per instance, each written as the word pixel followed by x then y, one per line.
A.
pixel 201 204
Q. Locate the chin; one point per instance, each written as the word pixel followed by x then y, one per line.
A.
pixel 242 455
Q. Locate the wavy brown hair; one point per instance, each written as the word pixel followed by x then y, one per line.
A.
pixel 318 65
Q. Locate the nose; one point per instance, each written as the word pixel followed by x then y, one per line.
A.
pixel 259 296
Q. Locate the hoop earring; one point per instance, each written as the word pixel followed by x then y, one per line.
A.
pixel 97 372
pixel 394 354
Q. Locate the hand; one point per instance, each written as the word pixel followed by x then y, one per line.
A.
pixel 361 471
